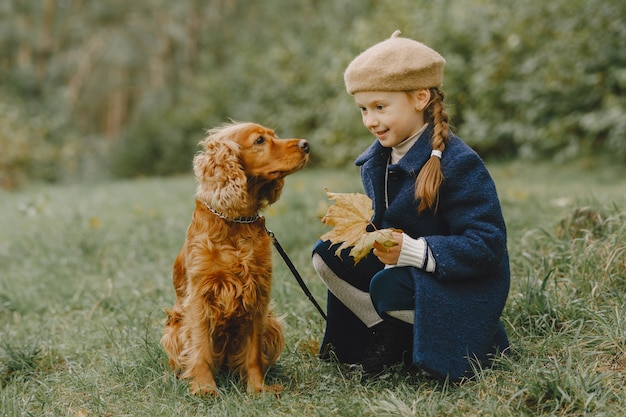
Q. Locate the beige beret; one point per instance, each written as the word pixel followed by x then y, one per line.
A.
pixel 396 64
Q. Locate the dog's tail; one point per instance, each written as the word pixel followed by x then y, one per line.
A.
pixel 273 339
pixel 172 338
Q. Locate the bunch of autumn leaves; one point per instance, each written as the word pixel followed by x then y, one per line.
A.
pixel 350 217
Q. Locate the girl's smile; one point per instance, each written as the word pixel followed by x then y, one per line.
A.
pixel 381 134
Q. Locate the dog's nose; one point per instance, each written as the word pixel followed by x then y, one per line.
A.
pixel 304 145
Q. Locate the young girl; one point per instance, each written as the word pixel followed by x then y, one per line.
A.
pixel 434 299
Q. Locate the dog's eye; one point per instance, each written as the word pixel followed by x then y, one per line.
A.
pixel 259 140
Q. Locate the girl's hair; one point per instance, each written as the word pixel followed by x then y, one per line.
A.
pixel 430 176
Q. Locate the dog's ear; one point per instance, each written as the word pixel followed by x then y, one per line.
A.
pixel 271 191
pixel 222 182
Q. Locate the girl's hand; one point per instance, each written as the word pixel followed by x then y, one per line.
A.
pixel 390 255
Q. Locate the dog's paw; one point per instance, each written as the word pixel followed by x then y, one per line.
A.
pixel 201 390
pixel 274 389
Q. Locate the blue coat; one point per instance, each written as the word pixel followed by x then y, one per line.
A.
pixel 458 307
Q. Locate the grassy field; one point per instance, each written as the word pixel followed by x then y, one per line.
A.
pixel 85 273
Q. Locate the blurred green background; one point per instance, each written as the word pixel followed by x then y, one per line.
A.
pixel 107 89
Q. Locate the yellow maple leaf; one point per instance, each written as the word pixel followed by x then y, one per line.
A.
pixel 350 217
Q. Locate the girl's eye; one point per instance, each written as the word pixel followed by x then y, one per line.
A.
pixel 380 107
pixel 259 140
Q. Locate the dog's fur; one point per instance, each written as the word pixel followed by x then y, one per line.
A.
pixel 222 275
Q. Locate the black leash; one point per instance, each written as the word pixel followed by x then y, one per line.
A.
pixel 295 273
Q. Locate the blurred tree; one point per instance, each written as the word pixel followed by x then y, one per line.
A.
pixel 139 81
pixel 548 80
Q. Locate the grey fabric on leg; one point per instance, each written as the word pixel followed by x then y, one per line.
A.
pixel 359 302
pixel 407 316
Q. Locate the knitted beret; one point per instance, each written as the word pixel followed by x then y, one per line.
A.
pixel 396 64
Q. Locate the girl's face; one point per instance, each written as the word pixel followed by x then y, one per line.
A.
pixel 392 116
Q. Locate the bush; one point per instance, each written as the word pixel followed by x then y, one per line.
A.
pixel 25 150
pixel 549 81
pixel 537 79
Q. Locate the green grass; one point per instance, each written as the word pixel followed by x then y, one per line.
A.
pixel 85 273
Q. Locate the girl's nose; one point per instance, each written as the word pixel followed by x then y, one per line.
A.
pixel 370 121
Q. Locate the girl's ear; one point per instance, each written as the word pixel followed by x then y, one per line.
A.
pixel 422 99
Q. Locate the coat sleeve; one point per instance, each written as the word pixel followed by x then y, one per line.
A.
pixel 475 245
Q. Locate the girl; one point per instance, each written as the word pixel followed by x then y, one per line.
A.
pixel 434 299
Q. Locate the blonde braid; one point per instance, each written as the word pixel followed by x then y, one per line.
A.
pixel 430 176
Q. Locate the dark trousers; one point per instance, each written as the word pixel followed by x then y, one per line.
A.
pixel 390 289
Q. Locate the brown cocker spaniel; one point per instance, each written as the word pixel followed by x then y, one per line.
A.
pixel 222 275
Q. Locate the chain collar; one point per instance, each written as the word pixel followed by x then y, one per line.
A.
pixel 244 220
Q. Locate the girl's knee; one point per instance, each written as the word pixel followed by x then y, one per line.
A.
pixel 392 289
pixel 378 288
pixel 324 251
pixel 318 263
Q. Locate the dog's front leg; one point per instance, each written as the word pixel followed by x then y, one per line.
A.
pixel 199 358
pixel 255 368
pixel 254 363
pixel 202 381
pixel 199 373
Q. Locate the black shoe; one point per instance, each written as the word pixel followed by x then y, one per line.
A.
pixel 391 342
